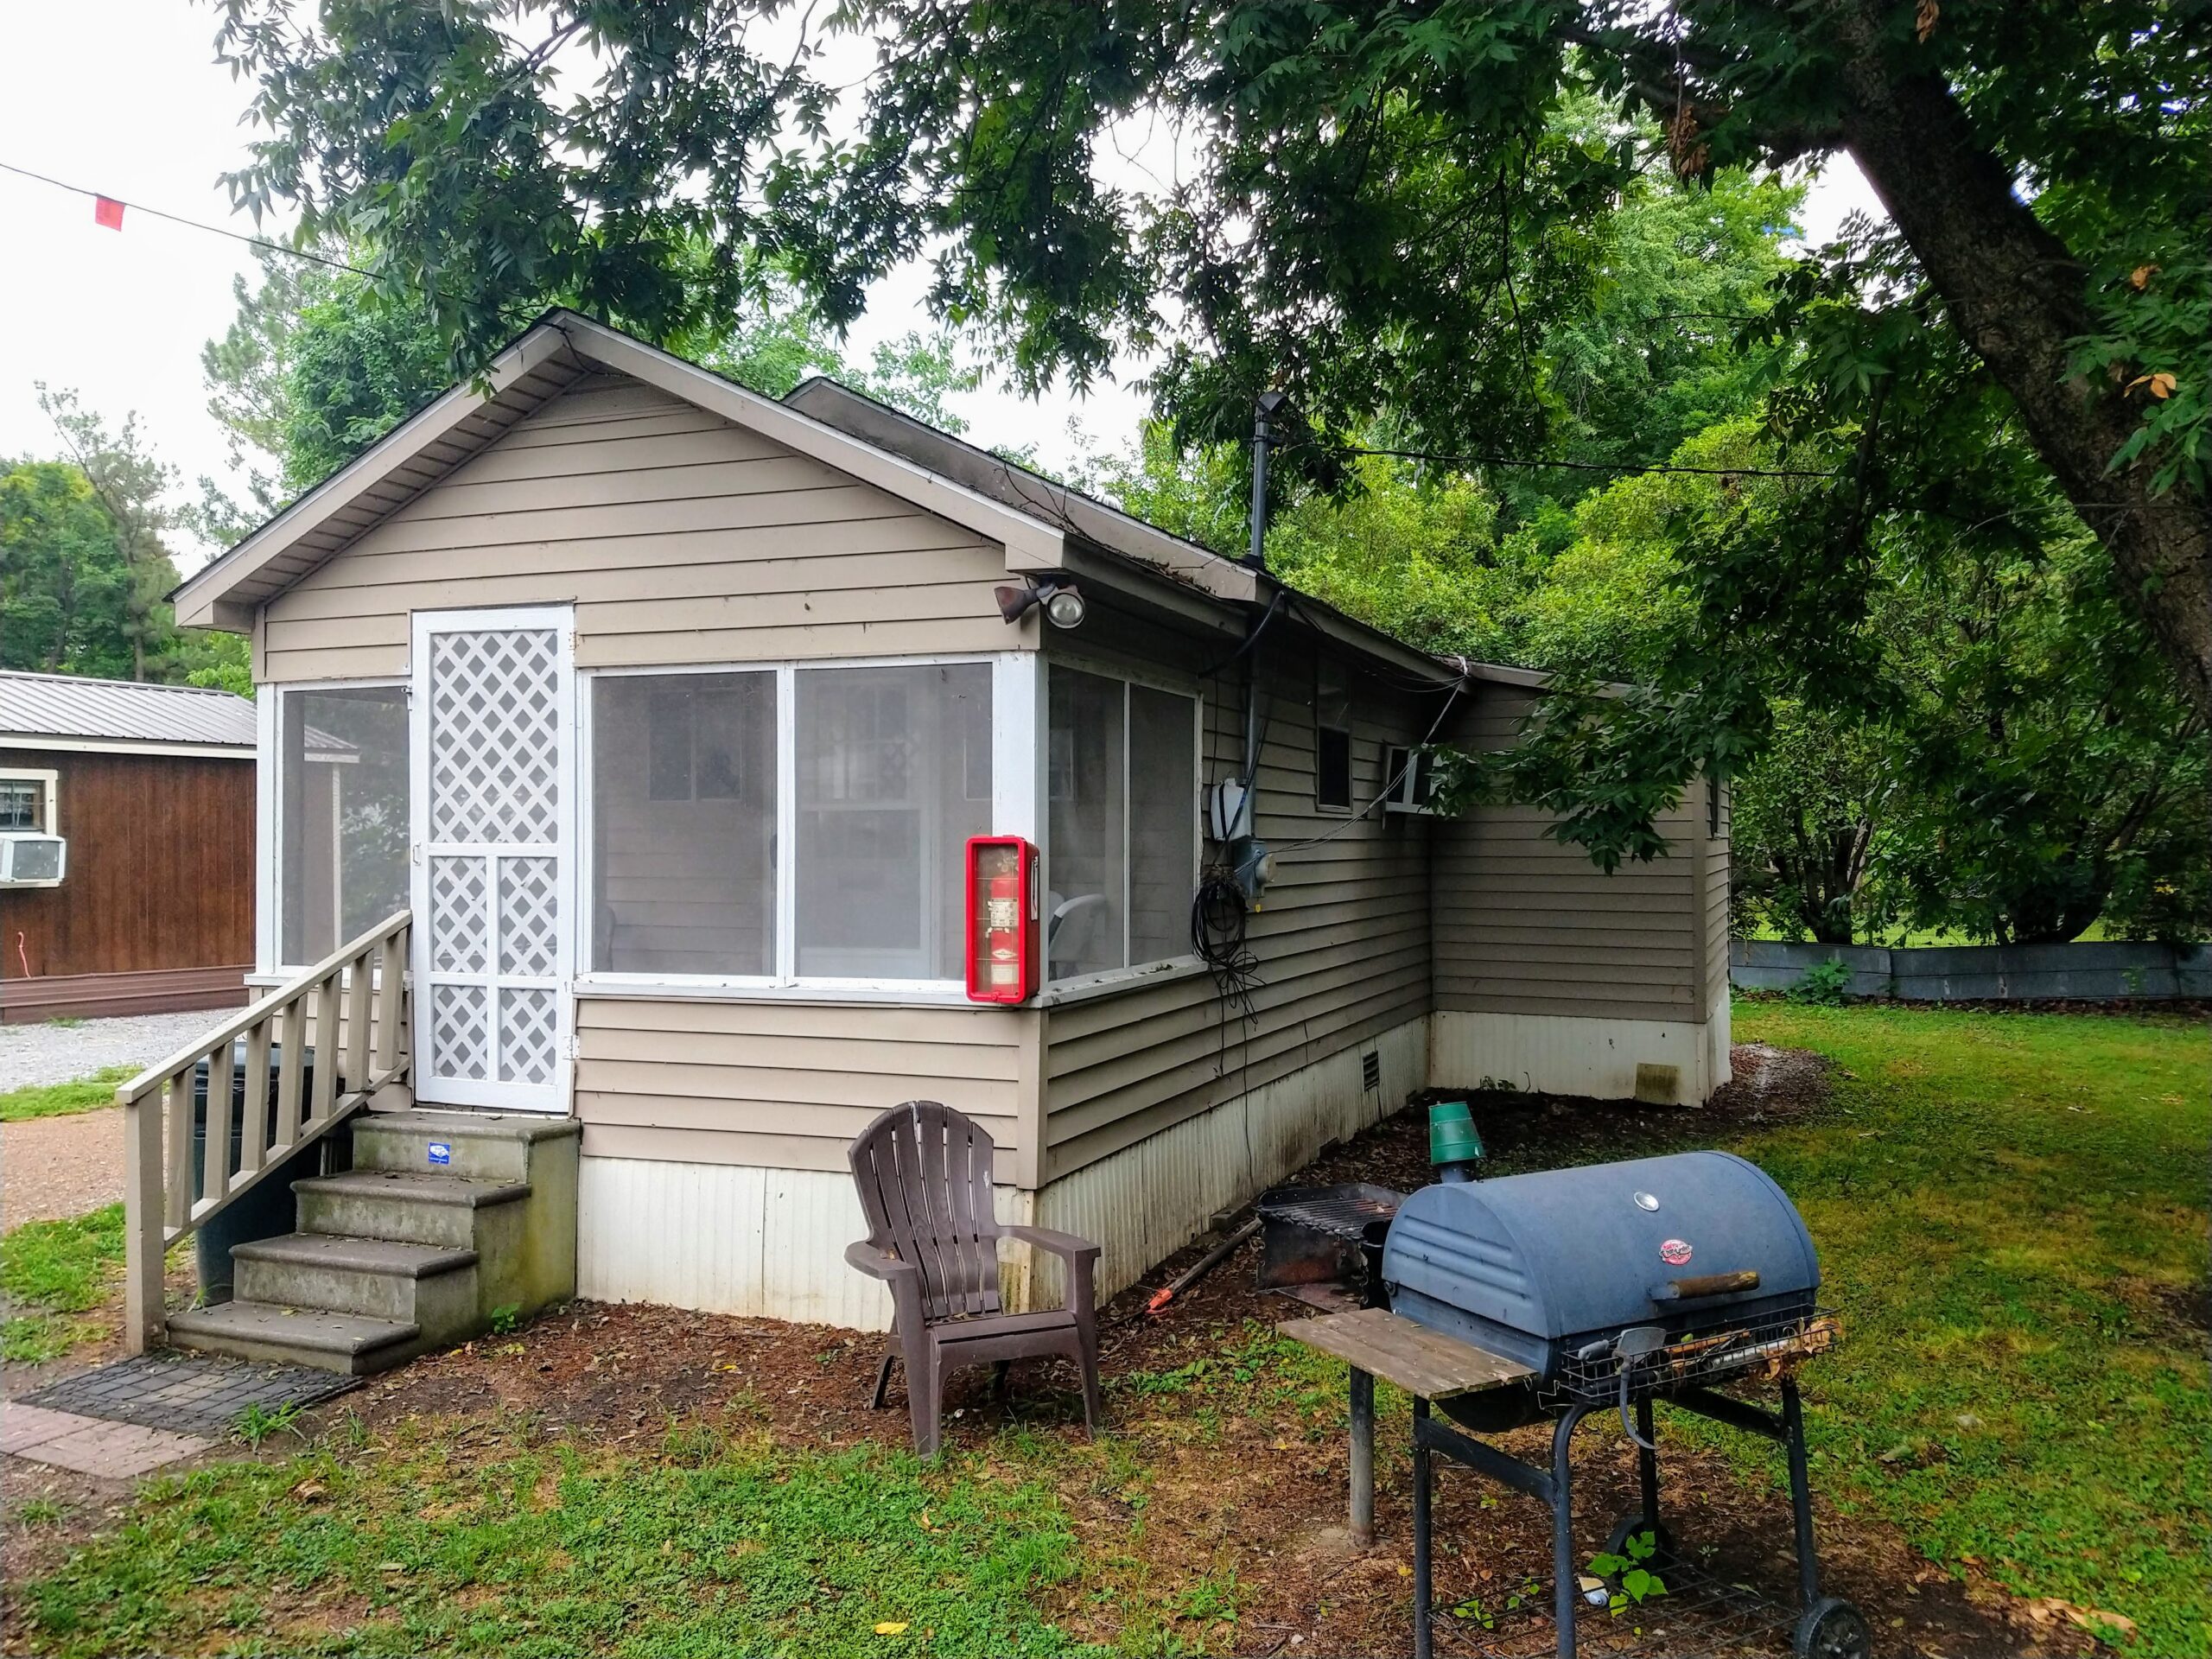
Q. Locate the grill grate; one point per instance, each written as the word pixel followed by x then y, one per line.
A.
pixel 1344 1212
pixel 1707 1354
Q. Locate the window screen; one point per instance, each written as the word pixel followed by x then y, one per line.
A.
pixel 1163 833
pixel 22 804
pixel 1089 824
pixel 894 769
pixel 342 772
pixel 683 807
pixel 1123 775
pixel 1331 737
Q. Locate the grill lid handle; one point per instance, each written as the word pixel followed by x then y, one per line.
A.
pixel 1711 1284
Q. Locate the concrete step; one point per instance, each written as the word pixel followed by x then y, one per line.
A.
pixel 430 1285
pixel 408 1209
pixel 297 1336
pixel 485 1145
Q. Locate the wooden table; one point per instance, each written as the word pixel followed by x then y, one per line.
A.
pixel 1425 1363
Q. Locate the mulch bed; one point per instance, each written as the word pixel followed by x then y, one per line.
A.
pixel 1253 1498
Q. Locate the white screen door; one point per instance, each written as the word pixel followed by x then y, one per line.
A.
pixel 494 826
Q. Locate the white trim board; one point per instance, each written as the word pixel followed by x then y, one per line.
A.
pixel 122 746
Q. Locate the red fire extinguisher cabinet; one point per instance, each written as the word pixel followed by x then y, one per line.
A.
pixel 1003 911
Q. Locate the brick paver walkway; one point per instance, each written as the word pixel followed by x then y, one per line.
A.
pixel 110 1451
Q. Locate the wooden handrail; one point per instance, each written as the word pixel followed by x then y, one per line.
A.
pixel 164 1196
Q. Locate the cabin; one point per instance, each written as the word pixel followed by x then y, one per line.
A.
pixel 126 848
pixel 669 713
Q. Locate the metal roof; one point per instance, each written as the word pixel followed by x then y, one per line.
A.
pixel 121 711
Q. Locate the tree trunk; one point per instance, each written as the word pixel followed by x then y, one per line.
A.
pixel 2015 294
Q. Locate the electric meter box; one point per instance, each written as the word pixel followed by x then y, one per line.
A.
pixel 1003 909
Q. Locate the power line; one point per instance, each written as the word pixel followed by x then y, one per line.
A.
pixel 1465 461
pixel 190 224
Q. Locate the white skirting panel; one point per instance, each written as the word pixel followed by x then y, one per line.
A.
pixel 1146 1202
pixel 724 1238
pixel 1718 1038
pixel 1571 1055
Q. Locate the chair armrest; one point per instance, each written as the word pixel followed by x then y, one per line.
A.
pixel 1067 1245
pixel 876 1263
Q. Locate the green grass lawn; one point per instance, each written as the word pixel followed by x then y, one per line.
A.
pixel 54 1099
pixel 2010 1211
pixel 51 1271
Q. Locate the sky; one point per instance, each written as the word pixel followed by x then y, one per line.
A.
pixel 130 101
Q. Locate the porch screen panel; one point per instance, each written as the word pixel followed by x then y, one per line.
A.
pixel 683 774
pixel 1087 864
pixel 1163 823
pixel 894 767
pixel 342 778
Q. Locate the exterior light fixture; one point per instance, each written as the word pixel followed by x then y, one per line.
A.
pixel 1064 605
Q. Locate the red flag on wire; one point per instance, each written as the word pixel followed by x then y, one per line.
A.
pixel 107 211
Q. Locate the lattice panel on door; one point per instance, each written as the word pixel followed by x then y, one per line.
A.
pixel 528 1020
pixel 494 730
pixel 460 942
pixel 460 1034
pixel 529 916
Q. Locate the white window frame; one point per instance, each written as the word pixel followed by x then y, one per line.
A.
pixel 1017 685
pixel 268 808
pixel 1081 986
pixel 50 783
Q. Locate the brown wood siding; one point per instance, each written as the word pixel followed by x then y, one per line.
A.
pixel 1342 938
pixel 1527 925
pixel 788 1083
pixel 160 872
pixel 680 538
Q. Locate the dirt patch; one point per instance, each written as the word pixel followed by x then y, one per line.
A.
pixel 60 1167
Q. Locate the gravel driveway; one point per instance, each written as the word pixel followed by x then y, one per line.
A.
pixel 52 1053
pixel 60 1167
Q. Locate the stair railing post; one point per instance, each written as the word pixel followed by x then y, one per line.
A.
pixel 143 1239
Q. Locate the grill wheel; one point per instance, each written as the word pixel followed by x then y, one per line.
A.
pixel 1833 1629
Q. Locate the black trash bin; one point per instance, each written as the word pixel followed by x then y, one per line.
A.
pixel 266 1211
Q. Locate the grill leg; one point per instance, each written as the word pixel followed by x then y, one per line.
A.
pixel 1363 1457
pixel 1566 1593
pixel 1801 1491
pixel 1647 1464
pixel 1423 1465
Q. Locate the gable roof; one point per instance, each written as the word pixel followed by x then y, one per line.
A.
pixel 1043 525
pixel 63 711
pixel 549 356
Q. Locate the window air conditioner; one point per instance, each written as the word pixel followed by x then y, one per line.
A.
pixel 1410 778
pixel 30 860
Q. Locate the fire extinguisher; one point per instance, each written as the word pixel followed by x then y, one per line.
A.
pixel 1001 920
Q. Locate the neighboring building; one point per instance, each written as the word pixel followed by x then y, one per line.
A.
pixel 146 905
pixel 667 710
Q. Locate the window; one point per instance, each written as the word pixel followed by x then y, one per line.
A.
pixel 1331 738
pixel 894 775
pixel 1122 857
pixel 342 822
pixel 890 773
pixel 683 786
pixel 26 802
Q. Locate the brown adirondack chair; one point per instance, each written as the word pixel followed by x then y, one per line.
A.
pixel 923 1172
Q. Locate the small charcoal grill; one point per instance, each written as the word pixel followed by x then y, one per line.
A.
pixel 1615 1285
pixel 1323 1244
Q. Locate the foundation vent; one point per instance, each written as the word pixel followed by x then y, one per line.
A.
pixel 1370 1071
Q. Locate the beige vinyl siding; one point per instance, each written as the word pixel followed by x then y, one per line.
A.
pixel 1342 939
pixel 1718 874
pixel 1526 924
pixel 787 1083
pixel 680 537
